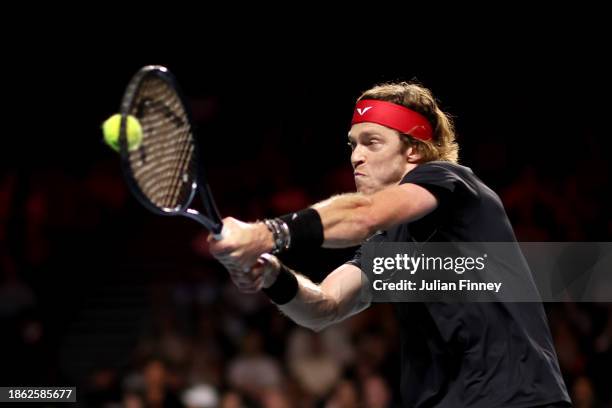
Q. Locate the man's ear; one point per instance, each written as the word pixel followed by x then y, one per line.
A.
pixel 412 155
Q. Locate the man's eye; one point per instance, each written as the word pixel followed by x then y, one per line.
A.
pixel 351 145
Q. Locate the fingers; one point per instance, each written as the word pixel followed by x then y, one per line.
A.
pixel 268 260
pixel 237 243
pixel 249 281
pixel 246 277
pixel 240 247
pixel 271 268
pixel 223 242
pixel 237 262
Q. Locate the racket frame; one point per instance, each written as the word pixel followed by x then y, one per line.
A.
pixel 210 219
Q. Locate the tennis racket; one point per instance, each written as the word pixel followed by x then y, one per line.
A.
pixel 165 172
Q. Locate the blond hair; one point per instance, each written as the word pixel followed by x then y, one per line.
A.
pixel 443 145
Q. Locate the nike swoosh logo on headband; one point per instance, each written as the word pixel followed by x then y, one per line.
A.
pixel 361 111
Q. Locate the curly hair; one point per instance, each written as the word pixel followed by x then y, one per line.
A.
pixel 414 96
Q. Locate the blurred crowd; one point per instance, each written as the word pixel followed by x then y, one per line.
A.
pixel 199 343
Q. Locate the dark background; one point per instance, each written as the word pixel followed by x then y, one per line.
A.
pixel 95 290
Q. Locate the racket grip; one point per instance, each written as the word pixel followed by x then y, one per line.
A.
pixel 218 236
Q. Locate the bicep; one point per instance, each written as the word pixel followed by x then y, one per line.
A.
pixel 400 204
pixel 348 287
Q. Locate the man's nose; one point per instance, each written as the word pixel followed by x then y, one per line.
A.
pixel 357 157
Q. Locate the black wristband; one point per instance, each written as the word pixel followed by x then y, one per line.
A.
pixel 305 229
pixel 284 288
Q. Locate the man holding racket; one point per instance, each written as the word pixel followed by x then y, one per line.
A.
pixel 410 188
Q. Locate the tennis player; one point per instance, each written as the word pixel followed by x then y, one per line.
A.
pixel 410 188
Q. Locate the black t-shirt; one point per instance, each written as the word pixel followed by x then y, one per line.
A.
pixel 470 354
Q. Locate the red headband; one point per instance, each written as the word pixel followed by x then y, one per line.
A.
pixel 396 117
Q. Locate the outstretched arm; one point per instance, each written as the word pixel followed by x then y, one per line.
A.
pixel 346 219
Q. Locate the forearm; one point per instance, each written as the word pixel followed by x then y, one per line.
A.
pixel 311 307
pixel 347 220
pixel 341 294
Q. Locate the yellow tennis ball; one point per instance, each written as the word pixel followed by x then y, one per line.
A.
pixel 111 127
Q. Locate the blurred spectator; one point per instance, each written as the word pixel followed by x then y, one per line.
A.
pixel 231 399
pixel 274 398
pixel 252 371
pixel 102 387
pixel 133 400
pixel 157 394
pixel 376 393
pixel 344 396
pixel 315 369
pixel 582 394
pixel 200 396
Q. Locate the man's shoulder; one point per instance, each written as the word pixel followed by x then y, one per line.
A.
pixel 443 177
pixel 442 165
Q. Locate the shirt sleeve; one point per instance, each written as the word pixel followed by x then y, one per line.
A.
pixel 356 260
pixel 379 236
pixel 441 181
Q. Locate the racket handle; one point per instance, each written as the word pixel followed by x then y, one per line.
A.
pixel 218 236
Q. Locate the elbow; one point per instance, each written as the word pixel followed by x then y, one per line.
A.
pixel 323 320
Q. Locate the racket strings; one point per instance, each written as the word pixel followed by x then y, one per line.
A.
pixel 163 165
pixel 170 106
